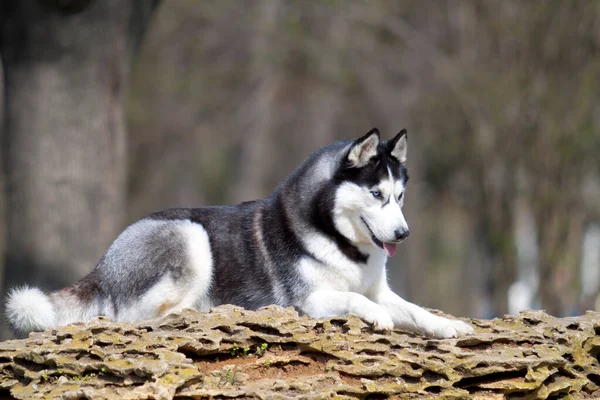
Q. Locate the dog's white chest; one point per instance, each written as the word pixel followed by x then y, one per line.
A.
pixel 337 272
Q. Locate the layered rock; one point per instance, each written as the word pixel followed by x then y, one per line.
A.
pixel 274 353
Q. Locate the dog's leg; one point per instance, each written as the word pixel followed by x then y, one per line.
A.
pixel 413 318
pixel 331 303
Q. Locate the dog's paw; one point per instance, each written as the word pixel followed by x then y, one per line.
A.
pixel 462 328
pixel 449 328
pixel 380 320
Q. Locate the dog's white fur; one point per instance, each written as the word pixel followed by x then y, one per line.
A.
pixel 30 309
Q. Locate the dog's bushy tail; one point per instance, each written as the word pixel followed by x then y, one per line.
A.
pixel 28 309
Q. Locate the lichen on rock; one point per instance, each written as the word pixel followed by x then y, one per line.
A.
pixel 275 353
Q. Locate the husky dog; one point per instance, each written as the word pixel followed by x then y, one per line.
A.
pixel 319 243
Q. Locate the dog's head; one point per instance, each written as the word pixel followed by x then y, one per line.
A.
pixel 371 181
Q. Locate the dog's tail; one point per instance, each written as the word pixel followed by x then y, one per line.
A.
pixel 28 309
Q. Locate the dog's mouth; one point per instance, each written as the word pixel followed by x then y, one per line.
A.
pixel 390 248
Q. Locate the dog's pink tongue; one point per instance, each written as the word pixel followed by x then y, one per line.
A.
pixel 390 249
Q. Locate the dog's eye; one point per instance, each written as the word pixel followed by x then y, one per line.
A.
pixel 401 196
pixel 377 194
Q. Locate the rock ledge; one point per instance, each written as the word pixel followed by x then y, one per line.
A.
pixel 230 352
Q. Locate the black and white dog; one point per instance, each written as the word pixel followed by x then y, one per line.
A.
pixel 320 243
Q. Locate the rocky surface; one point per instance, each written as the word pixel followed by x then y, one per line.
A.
pixel 273 353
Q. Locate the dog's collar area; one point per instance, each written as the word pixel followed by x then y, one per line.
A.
pixel 378 242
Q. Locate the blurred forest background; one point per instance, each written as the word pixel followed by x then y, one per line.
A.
pixel 222 99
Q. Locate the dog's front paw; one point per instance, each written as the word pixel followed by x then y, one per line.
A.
pixel 380 320
pixel 449 328
pixel 383 324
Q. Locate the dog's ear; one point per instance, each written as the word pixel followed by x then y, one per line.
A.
pixel 363 149
pixel 398 145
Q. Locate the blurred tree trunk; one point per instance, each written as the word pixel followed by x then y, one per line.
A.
pixel 560 237
pixel 66 67
pixel 2 192
pixel 325 105
pixel 257 114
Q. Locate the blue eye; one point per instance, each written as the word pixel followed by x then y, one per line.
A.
pixel 377 194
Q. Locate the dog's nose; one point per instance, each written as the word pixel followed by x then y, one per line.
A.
pixel 401 234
